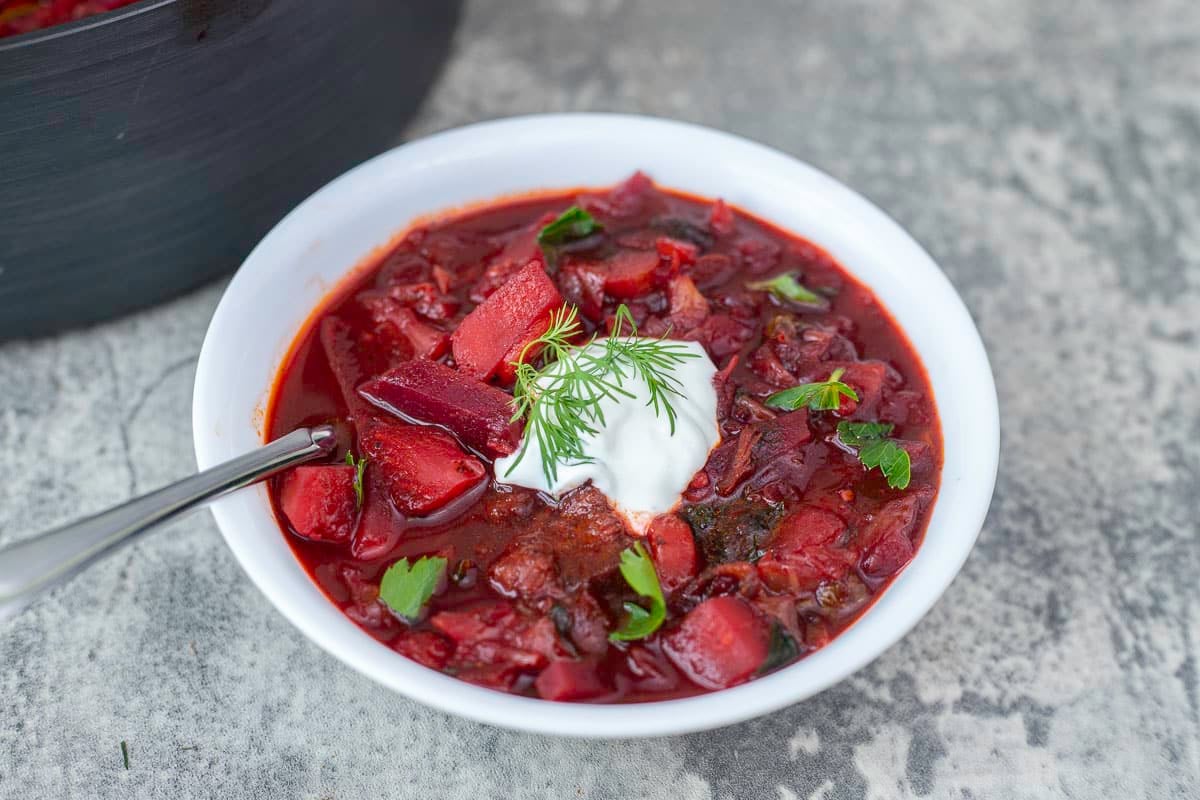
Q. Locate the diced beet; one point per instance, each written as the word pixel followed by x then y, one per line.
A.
pixel 906 407
pixel 428 391
pixel 487 620
pixel 319 502
pixel 720 218
pixel 499 327
pixel 920 456
pixel 569 680
pixel 782 436
pixel 733 461
pixel 427 648
pixel 673 550
pixel 726 389
pixel 349 362
pixel 721 335
pixel 525 572
pixel 518 251
pixel 678 253
pixel 867 378
pixel 496 633
pixel 896 517
pixel 506 373
pixel 712 270
pixel 887 538
pixel 888 556
pixel 720 642
pixel 626 198
pixel 582 284
pixel 420 467
pixel 589 624
pixel 805 550
pixel 495 276
pixel 427 299
pixel 759 256
pixel 425 340
pixel 689 308
pixel 807 527
pixel 379 527
pixel 631 273
pixel 765 363
pixel 651 670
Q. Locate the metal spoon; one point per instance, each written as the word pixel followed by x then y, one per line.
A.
pixel 35 564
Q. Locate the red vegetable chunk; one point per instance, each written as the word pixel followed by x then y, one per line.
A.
pixel 479 414
pixel 673 549
pixel 631 273
pixel 420 468
pixel 887 537
pixel 805 551
pixel 379 527
pixel 392 318
pixel 569 680
pixel 720 643
pixel 496 331
pixel 319 502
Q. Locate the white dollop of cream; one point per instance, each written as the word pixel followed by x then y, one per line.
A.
pixel 637 462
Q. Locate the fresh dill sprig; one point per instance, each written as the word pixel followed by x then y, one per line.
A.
pixel 560 402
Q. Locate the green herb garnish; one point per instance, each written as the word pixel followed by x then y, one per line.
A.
pixel 876 451
pixel 125 753
pixel 360 468
pixel 406 589
pixel 856 434
pixel 560 402
pixel 823 396
pixel 781 649
pixel 572 224
pixel 788 287
pixel 638 571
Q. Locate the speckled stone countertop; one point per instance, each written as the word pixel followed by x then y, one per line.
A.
pixel 1047 154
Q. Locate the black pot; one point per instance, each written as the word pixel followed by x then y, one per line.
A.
pixel 145 151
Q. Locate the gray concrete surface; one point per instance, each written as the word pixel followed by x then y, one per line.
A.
pixel 1045 153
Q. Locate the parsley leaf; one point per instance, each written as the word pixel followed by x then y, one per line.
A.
pixel 823 396
pixel 572 224
pixel 891 459
pixel 638 571
pixel 875 451
pixel 788 287
pixel 406 589
pixel 360 467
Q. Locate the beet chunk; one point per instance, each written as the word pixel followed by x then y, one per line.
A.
pixel 319 502
pixel 689 307
pixel 673 549
pixel 805 550
pixel 631 273
pixel 396 320
pixel 720 642
pixel 496 331
pixel 887 539
pixel 569 680
pixel 420 468
pixel 479 414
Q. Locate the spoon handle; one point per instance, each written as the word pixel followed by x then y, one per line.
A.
pixel 30 566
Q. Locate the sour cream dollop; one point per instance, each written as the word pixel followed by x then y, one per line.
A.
pixel 638 463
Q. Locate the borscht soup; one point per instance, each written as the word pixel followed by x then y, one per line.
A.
pixel 607 446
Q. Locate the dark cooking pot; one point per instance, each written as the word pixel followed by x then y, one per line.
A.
pixel 145 151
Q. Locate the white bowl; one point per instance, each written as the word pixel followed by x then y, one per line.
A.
pixel 288 274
